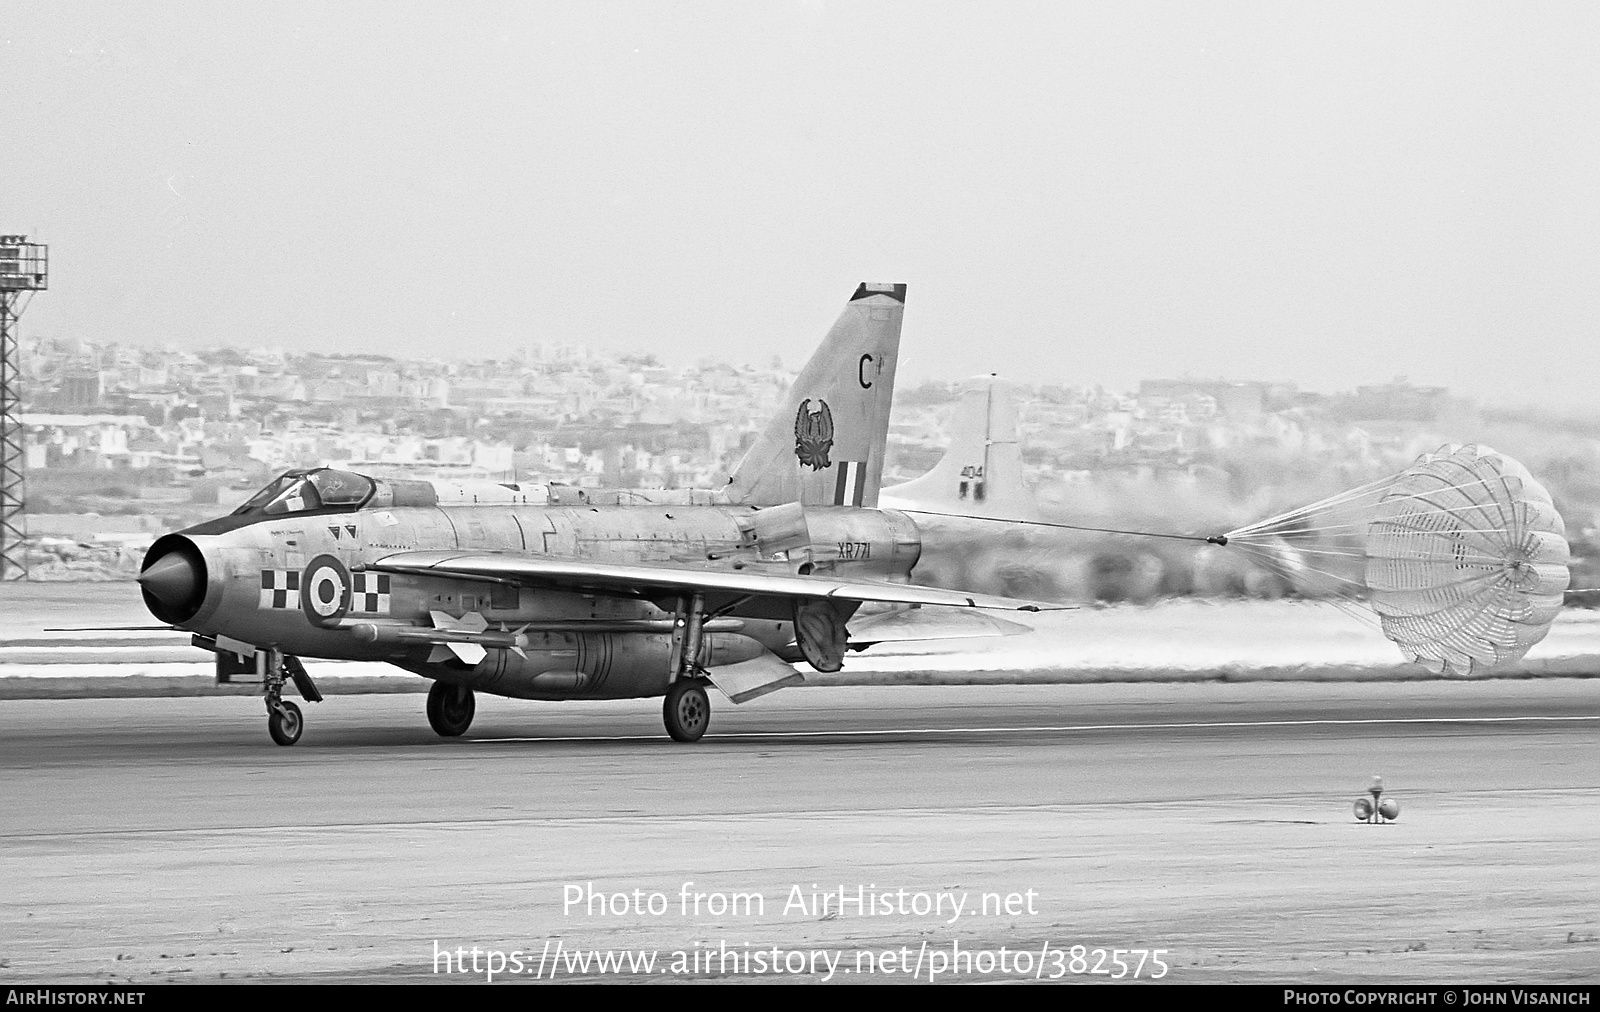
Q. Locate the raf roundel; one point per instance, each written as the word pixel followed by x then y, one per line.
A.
pixel 325 590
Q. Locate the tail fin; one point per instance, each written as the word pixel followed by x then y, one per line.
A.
pixel 980 475
pixel 825 447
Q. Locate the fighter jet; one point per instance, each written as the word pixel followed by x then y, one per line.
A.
pixel 491 587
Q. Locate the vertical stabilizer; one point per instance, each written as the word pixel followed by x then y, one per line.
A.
pixel 980 475
pixel 826 444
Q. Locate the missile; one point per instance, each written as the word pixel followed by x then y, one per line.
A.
pixel 517 639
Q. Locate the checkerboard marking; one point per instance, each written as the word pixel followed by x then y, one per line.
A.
pixel 280 589
pixel 369 593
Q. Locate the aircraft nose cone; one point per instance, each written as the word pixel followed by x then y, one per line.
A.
pixel 172 579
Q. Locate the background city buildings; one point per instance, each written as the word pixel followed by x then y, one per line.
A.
pixel 125 441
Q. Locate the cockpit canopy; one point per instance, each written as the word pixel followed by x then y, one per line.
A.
pixel 300 491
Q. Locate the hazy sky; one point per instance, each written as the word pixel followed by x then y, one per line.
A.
pixel 1098 192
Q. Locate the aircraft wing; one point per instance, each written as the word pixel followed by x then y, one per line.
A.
pixel 645 580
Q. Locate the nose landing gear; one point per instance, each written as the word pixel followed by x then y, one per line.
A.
pixel 284 721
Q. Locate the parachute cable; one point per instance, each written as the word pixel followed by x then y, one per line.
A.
pixel 1215 539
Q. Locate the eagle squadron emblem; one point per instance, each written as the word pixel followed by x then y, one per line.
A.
pixel 813 434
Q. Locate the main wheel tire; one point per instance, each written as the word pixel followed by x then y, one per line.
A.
pixel 286 724
pixel 450 709
pixel 686 710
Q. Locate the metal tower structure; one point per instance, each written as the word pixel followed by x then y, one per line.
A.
pixel 24 267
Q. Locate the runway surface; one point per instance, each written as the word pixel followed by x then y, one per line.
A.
pixel 168 839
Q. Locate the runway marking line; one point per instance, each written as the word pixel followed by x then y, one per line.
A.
pixel 1329 722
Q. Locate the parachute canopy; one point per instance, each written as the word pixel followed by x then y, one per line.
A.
pixel 1462 555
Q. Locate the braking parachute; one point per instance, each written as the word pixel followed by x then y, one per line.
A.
pixel 1462 555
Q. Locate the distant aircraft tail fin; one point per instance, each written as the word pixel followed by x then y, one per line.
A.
pixel 825 446
pixel 980 475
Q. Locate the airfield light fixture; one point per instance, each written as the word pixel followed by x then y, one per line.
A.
pixel 1376 809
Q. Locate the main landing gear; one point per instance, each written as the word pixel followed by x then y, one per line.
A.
pixel 687 709
pixel 284 721
pixel 450 709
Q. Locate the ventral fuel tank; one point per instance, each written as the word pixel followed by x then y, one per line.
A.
pixel 589 665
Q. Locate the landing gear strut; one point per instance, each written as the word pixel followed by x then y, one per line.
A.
pixel 284 721
pixel 450 709
pixel 687 709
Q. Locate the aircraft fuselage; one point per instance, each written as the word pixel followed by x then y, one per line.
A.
pixel 300 583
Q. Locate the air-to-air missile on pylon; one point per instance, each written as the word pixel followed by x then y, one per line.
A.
pixel 528 593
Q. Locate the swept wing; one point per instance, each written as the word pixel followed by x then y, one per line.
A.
pixel 645 580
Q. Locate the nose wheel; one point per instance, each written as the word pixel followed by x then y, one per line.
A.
pixel 284 723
